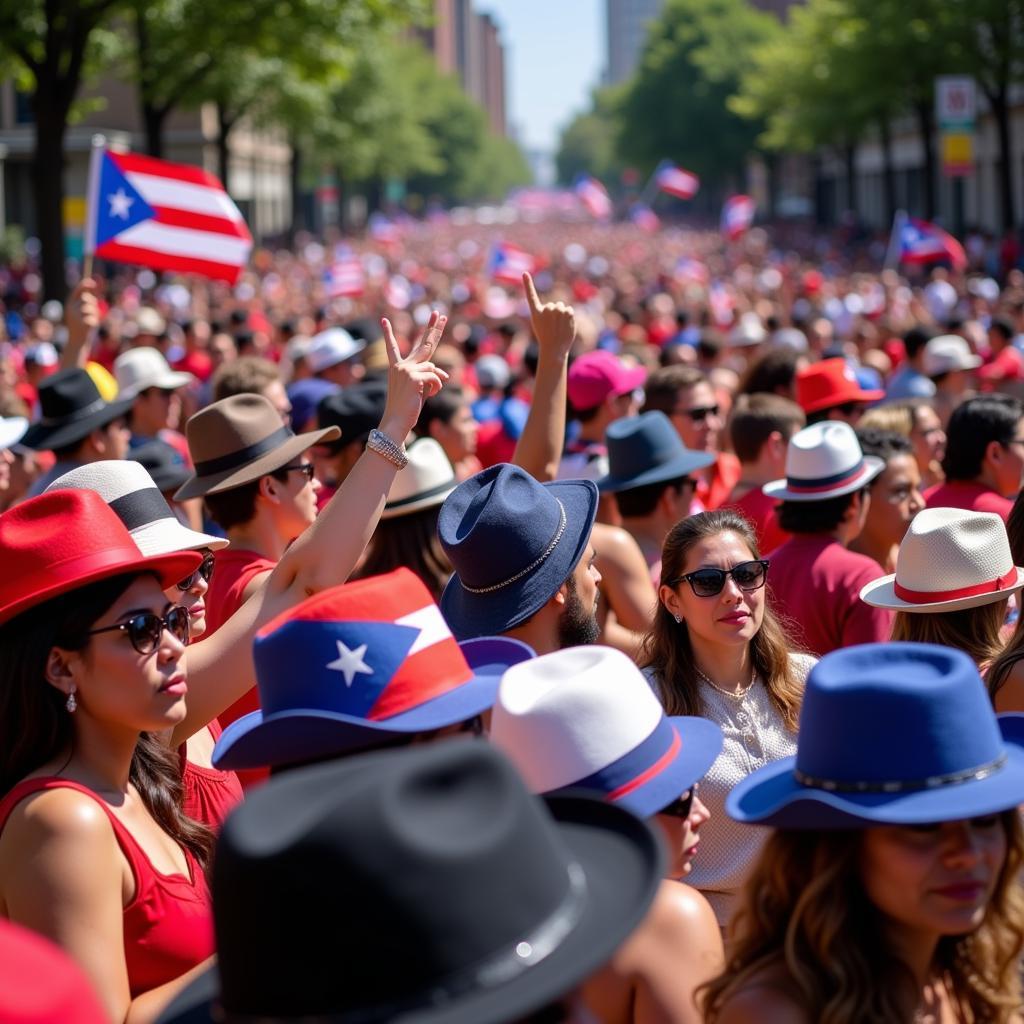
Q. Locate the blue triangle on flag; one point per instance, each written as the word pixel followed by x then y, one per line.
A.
pixel 119 203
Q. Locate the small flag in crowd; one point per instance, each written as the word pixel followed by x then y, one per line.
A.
pixel 594 196
pixel 507 263
pixel 345 277
pixel 644 218
pixel 737 216
pixel 164 216
pixel 676 182
pixel 722 304
pixel 688 269
pixel 384 230
pixel 920 241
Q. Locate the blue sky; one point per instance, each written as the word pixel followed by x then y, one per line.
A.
pixel 554 55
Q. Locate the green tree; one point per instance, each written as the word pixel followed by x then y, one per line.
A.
pixel 587 144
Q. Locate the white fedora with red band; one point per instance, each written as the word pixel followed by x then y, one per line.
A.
pixel 949 559
pixel 824 461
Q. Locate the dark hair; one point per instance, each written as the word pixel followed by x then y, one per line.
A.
pixel 974 425
pixel 756 417
pixel 815 516
pixel 441 407
pixel 775 371
pixel 915 340
pixel 582 415
pixel 238 505
pixel 883 444
pixel 1003 327
pixel 1015 529
pixel 709 345
pixel 845 408
pixel 663 386
pixel 36 727
pixel 666 647
pixel 641 501
pixel 409 541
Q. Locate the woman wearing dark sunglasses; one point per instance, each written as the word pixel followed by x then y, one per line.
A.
pixel 715 650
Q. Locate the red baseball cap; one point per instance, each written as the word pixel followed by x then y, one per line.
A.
pixel 596 375
pixel 829 383
pixel 65 539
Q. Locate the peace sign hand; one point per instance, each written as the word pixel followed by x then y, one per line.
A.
pixel 412 379
pixel 553 323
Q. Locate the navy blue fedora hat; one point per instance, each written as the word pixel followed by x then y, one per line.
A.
pixel 890 734
pixel 355 666
pixel 646 449
pixel 513 542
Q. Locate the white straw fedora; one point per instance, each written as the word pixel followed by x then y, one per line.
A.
pixel 127 487
pixel 949 559
pixel 946 353
pixel 824 461
pixel 586 719
pixel 425 482
pixel 142 368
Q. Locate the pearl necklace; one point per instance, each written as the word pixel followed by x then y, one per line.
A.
pixel 737 695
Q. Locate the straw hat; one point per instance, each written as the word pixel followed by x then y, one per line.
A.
pixel 425 482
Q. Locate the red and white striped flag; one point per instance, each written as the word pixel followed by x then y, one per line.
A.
pixel 345 278
pixel 507 263
pixel 677 182
pixel 163 215
pixel 737 216
pixel 594 196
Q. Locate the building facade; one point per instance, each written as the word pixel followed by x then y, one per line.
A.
pixel 626 24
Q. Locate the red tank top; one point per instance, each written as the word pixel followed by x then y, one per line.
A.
pixel 209 793
pixel 168 926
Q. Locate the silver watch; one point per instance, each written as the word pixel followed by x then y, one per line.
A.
pixel 384 446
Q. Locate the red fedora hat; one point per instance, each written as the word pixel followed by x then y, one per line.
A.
pixel 829 383
pixel 65 539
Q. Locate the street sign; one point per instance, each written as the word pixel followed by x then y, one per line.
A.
pixel 956 107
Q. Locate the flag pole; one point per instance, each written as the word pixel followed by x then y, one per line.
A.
pixel 892 253
pixel 99 144
pixel 646 197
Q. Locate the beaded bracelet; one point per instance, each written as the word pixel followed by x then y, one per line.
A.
pixel 384 446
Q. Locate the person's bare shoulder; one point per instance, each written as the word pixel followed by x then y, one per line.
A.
pixel 762 1003
pixel 680 911
pixel 1010 696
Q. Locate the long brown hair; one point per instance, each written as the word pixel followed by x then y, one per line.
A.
pixel 805 926
pixel 409 541
pixel 975 631
pixel 35 726
pixel 667 649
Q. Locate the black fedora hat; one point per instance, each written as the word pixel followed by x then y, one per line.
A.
pixel 71 409
pixel 425 886
pixel 646 449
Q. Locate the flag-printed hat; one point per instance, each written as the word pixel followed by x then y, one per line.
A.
pixel 586 719
pixel 830 383
pixel 824 461
pixel 353 667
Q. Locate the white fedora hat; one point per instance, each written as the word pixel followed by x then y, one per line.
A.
pixel 129 490
pixel 586 719
pixel 142 368
pixel 949 559
pixel 823 461
pixel 330 347
pixel 946 353
pixel 426 481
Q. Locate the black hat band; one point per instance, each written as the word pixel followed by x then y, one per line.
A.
pixel 901 786
pixel 140 508
pixel 239 458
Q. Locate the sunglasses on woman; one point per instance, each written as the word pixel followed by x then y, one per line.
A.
pixel 145 629
pixel 710 582
pixel 682 805
pixel 205 570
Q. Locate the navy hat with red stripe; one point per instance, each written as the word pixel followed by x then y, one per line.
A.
pixel 356 666
pixel 586 719
pixel 824 461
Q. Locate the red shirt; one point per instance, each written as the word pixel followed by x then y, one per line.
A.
pixel 724 475
pixel 210 794
pixel 815 585
pixel 969 495
pixel 1008 365
pixel 760 510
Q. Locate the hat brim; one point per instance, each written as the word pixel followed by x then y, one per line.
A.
pixel 493 655
pixel 42 438
pixel 772 796
pixel 872 467
pixel 881 593
pixel 171 569
pixel 679 466
pixel 970 363
pixel 198 486
pixel 165 536
pixel 428 499
pixel 831 402
pixel 622 862
pixel 12 430
pixel 472 615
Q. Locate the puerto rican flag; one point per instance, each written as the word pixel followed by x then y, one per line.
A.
pixel 594 196
pixel 506 263
pixel 345 277
pixel 688 269
pixel 737 216
pixel 722 304
pixel 920 241
pixel 677 182
pixel 164 216
pixel 645 218
pixel 384 230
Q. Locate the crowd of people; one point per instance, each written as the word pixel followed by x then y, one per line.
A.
pixel 632 638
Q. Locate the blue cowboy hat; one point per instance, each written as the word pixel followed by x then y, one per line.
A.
pixel 646 449
pixel 356 666
pixel 513 543
pixel 890 734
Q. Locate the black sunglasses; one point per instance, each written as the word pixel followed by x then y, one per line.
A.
pixel 709 582
pixel 205 570
pixel 682 805
pixel 700 414
pixel 145 629
pixel 303 467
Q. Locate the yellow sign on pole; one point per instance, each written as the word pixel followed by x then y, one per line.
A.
pixel 957 154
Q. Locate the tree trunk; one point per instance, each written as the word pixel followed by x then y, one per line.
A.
pixel 888 170
pixel 295 186
pixel 926 126
pixel 153 125
pixel 224 126
pixel 771 164
pixel 850 159
pixel 999 103
pixel 48 189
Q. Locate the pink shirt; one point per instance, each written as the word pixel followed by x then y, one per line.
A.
pixel 815 585
pixel 969 495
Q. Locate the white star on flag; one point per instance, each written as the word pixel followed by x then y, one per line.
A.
pixel 120 204
pixel 350 662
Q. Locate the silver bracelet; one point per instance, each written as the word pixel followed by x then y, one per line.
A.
pixel 384 446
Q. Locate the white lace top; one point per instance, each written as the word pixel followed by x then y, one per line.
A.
pixel 754 735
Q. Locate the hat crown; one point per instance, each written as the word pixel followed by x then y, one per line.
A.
pixel 427 472
pixel 829 382
pixel 823 450
pixel 563 716
pixel 946 549
pixel 637 444
pixel 110 479
pixel 948 352
pixel 231 425
pixel 497 524
pixel 896 713
pixel 134 368
pixel 67 392
pixel 411 845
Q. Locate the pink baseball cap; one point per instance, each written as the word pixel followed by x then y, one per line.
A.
pixel 596 375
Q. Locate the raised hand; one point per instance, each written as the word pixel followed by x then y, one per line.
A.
pixel 412 379
pixel 553 323
pixel 81 317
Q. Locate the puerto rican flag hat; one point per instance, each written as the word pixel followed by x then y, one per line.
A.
pixel 351 668
pixel 585 719
pixel 823 461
